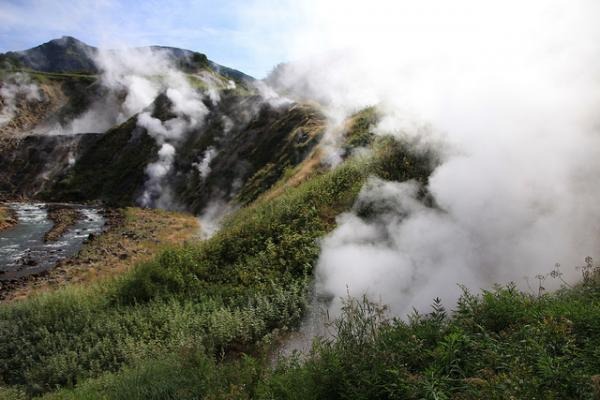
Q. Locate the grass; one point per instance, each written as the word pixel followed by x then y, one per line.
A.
pixel 41 76
pixel 199 321
pixel 499 344
pixel 221 297
pixel 252 156
pixel 358 132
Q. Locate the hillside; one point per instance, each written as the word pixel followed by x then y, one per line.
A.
pixel 68 166
pixel 219 199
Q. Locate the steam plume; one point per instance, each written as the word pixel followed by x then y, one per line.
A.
pixel 16 87
pixel 512 88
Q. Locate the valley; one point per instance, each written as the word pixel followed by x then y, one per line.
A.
pixel 172 228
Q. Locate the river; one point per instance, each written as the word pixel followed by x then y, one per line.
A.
pixel 23 251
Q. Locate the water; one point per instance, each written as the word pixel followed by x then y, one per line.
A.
pixel 22 248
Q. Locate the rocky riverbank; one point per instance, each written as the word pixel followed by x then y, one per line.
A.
pixel 7 217
pixel 63 217
pixel 130 236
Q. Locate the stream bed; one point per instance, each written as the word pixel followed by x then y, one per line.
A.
pixel 23 251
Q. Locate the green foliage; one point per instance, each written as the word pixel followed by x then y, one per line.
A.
pixel 61 339
pixel 501 344
pixel 401 160
pixel 196 62
pixel 359 133
pixel 260 144
pixel 544 348
pixel 66 77
pixel 197 321
pixel 224 294
pixel 8 63
pixel 262 246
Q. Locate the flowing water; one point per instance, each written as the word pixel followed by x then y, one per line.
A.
pixel 23 251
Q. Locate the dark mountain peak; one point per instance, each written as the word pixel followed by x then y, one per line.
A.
pixel 66 41
pixel 69 54
pixel 65 54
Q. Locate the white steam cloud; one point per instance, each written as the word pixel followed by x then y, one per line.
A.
pixel 15 88
pixel 133 79
pixel 512 87
pixel 145 74
pixel 203 166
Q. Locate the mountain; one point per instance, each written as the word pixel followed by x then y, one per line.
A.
pixel 137 316
pixel 68 54
pixel 46 152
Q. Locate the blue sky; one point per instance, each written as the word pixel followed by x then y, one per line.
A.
pixel 225 30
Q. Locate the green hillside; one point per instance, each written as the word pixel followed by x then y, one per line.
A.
pixel 168 314
pixel 200 321
pixel 219 298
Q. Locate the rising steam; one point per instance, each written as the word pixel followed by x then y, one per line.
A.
pixel 512 88
pixel 140 75
pixel 14 89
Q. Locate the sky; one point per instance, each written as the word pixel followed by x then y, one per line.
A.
pixel 225 30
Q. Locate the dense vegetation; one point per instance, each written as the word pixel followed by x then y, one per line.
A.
pixel 200 320
pixel 499 344
pixel 218 298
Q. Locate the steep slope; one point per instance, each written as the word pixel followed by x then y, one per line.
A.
pixel 110 170
pixel 231 294
pixel 252 143
pixel 32 164
pixel 234 293
pixel 57 88
pixel 38 102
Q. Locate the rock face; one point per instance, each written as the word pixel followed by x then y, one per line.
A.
pixel 111 169
pixel 245 145
pixel 252 145
pixel 32 164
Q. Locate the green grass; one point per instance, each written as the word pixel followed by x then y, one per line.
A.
pixel 42 76
pixel 225 296
pixel 199 322
pixel 359 132
pixel 500 344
